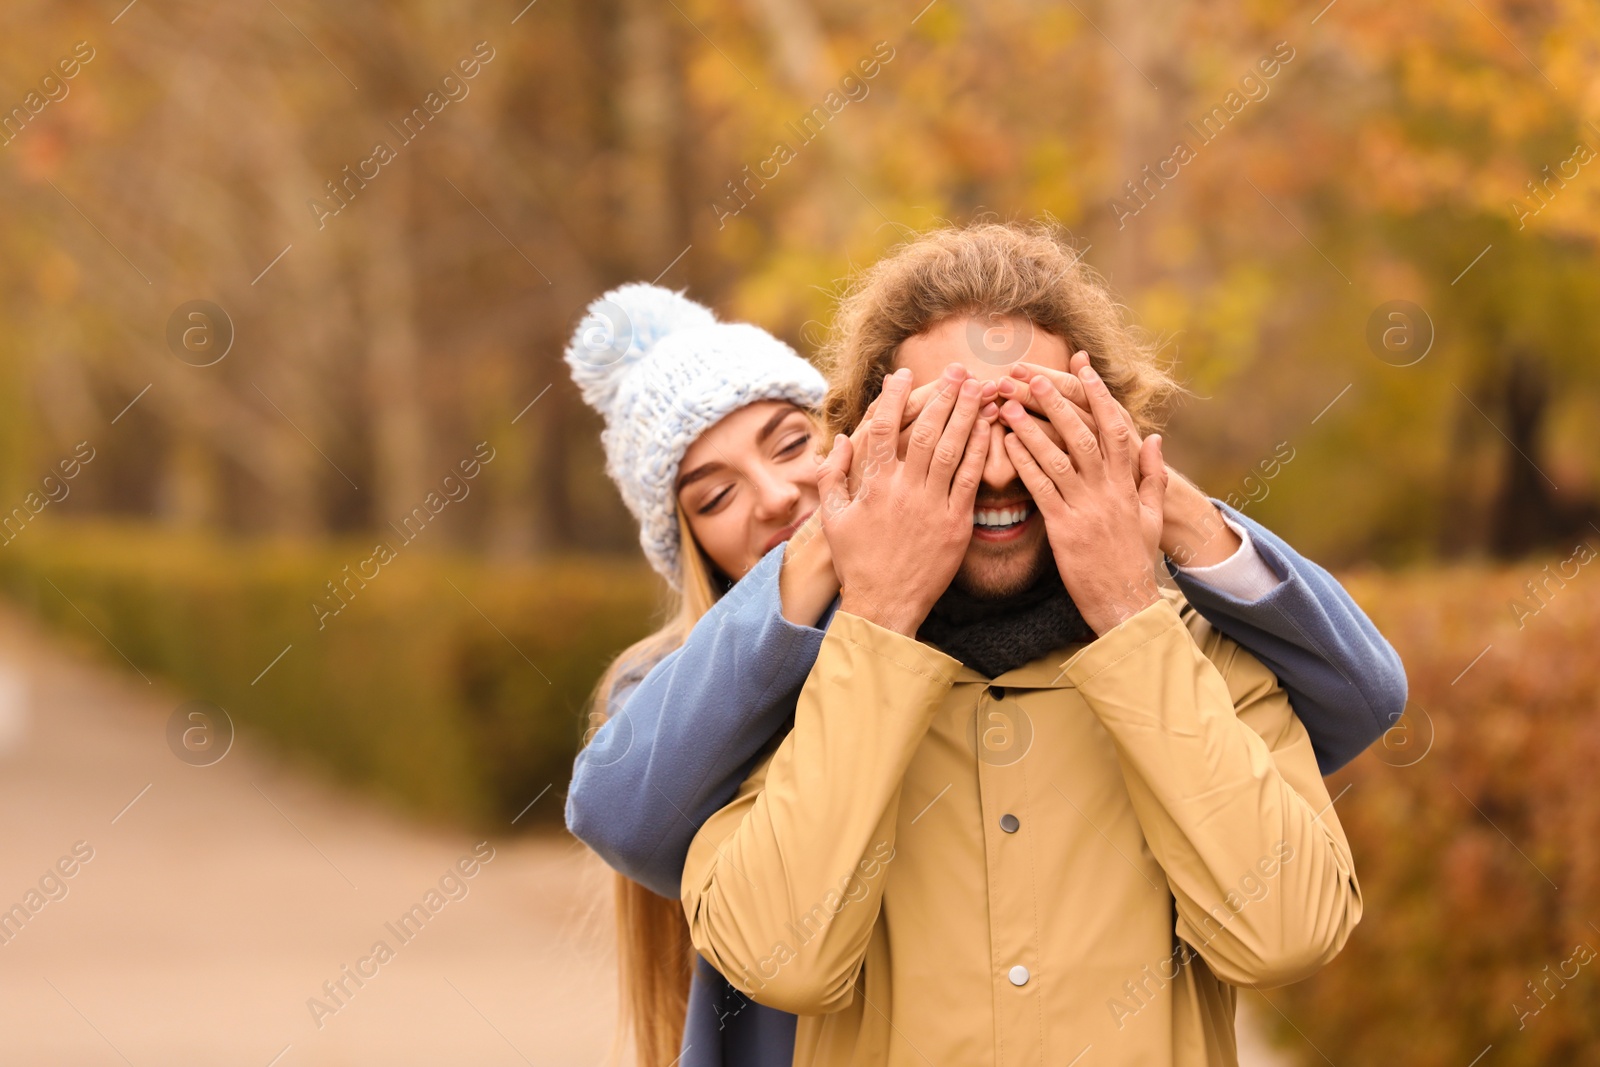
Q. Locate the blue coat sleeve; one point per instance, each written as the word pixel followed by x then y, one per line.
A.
pixel 682 739
pixel 1344 680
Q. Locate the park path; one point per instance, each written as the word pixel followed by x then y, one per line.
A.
pixel 219 899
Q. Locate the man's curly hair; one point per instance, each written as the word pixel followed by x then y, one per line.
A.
pixel 986 270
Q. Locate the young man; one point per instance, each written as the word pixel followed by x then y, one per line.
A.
pixel 1081 849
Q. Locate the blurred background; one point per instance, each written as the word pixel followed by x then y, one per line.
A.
pixel 273 270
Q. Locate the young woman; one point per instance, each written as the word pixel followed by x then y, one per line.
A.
pixel 710 436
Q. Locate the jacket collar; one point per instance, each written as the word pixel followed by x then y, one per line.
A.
pixel 1048 671
pixel 1043 673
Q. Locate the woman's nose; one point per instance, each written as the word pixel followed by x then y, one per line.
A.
pixel 775 493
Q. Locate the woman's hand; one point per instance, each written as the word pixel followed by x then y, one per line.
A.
pixel 1067 384
pixel 807 583
pixel 1104 529
pixel 899 539
pixel 915 402
pixel 1193 533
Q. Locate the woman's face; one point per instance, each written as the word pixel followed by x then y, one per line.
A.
pixel 748 482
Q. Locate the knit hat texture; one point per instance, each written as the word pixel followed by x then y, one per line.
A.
pixel 661 370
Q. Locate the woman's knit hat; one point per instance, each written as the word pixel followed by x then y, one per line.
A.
pixel 662 370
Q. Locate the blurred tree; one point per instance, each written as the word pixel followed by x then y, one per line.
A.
pixel 755 151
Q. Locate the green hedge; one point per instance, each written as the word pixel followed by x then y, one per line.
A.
pixel 459 702
pixel 1476 832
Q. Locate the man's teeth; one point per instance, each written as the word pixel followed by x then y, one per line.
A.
pixel 1000 516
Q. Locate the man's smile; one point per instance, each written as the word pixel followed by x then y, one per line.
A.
pixel 998 525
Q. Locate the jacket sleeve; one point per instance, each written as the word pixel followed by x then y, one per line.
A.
pixel 1345 681
pixel 682 739
pixel 783 886
pixel 1227 791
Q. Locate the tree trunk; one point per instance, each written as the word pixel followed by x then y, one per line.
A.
pixel 1525 515
pixel 401 445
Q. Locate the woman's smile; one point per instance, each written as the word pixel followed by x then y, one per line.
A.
pixel 787 532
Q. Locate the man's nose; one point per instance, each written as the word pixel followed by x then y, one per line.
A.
pixel 999 473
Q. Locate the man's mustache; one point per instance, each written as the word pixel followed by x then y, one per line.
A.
pixel 1010 496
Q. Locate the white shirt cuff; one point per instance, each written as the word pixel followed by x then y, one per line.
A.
pixel 1243 575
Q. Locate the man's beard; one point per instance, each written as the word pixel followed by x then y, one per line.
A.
pixel 990 578
pixel 996 622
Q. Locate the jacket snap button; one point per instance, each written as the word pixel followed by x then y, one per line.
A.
pixel 997 692
pixel 1018 975
pixel 1009 823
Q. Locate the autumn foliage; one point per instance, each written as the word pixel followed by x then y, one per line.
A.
pixel 403 207
pixel 1476 833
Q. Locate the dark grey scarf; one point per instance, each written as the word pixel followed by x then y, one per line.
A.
pixel 993 636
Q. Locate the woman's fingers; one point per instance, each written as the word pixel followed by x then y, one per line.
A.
pixel 1075 365
pixel 1071 387
pixel 1152 474
pixel 1074 431
pixel 1118 438
pixel 929 426
pixel 1054 464
pixel 1116 434
pixel 831 479
pixel 964 483
pixel 1066 381
pixel 955 372
pixel 1041 486
pixel 1138 438
pixel 920 395
pixel 1035 408
pixel 1019 390
pixel 923 393
pixel 858 441
pixel 883 433
pixel 952 446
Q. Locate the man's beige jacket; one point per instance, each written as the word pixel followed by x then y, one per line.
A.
pixel 1073 863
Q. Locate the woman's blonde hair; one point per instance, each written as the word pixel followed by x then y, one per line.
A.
pixel 987 270
pixel 655 956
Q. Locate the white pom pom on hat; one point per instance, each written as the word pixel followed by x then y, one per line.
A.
pixel 661 370
pixel 618 330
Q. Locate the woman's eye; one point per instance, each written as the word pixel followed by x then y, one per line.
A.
pixel 711 504
pixel 797 443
